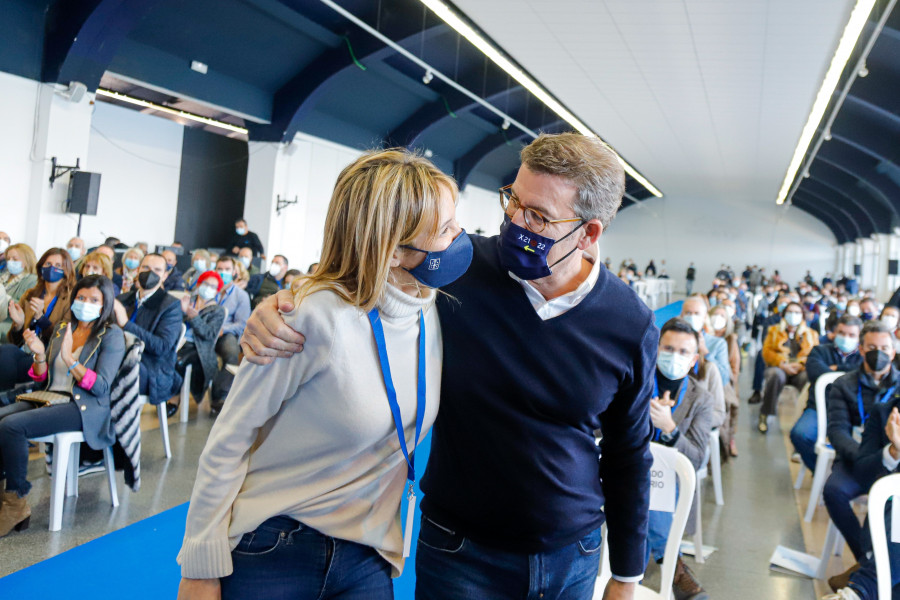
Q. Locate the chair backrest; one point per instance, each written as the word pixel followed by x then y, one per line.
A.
pixel 181 337
pixel 884 488
pixel 667 458
pixel 821 410
pixel 823 317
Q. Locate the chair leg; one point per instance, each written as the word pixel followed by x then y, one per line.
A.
pixel 72 471
pixel 823 464
pixel 698 532
pixel 164 428
pixel 186 394
pixel 801 475
pixel 715 459
pixel 61 453
pixel 827 550
pixel 111 475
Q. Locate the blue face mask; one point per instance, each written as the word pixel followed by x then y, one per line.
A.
pixel 52 274
pixel 226 277
pixel 524 254
pixel 846 344
pixel 240 230
pixel 200 265
pixel 443 267
pixel 74 252
pixel 841 306
pixel 132 263
pixel 84 312
pixel 866 316
pixel 14 267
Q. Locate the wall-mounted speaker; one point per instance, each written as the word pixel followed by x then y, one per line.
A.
pixel 84 192
pixel 894 267
pixel 857 270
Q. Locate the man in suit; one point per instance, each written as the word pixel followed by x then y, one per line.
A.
pixel 154 317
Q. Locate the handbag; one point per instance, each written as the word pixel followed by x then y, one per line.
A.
pixel 44 398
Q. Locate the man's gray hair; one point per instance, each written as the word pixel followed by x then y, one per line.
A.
pixel 588 163
pixel 875 326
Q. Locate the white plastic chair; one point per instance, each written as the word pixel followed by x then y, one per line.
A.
pixel 185 393
pixel 881 490
pixel 715 463
pixel 64 477
pixel 824 452
pixel 667 458
pixel 161 407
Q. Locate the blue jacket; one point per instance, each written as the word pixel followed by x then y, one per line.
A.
pixel 820 360
pixel 869 467
pixel 843 409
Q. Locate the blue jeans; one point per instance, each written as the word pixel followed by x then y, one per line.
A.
pixel 658 528
pixel 840 490
pixel 286 560
pixel 450 566
pixel 864 582
pixel 803 436
pixel 759 371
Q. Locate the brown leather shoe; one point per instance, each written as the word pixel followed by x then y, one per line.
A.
pixel 685 585
pixel 843 579
pixel 14 514
pixel 756 398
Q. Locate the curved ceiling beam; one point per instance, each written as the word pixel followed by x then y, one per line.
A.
pixel 824 178
pixel 888 210
pixel 411 130
pixel 82 38
pixel 846 224
pixel 465 165
pixel 295 100
pixel 836 206
pixel 829 221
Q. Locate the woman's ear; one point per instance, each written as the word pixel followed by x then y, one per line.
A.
pixel 396 257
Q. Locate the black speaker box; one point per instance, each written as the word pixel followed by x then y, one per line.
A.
pixel 857 270
pixel 84 191
pixel 894 267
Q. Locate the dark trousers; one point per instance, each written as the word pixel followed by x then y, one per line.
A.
pixel 840 490
pixel 450 566
pixel 229 348
pixel 14 365
pixel 23 424
pixel 188 356
pixel 776 379
pixel 286 560
pixel 865 581
pixel 759 369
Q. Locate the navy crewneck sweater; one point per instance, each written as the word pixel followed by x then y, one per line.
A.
pixel 513 461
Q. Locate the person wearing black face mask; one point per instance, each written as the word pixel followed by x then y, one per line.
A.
pixel 850 400
pixel 154 316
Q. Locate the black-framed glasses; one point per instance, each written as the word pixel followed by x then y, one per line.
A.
pixel 534 220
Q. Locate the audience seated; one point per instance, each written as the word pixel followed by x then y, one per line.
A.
pixel 245 257
pixel 203 317
pixel 174 281
pixel 76 249
pixel 237 303
pixel 681 411
pixel 200 263
pixel 4 245
pixel 851 399
pixel 842 354
pixel 125 275
pixel 290 276
pixel 694 311
pixel 722 326
pixel 312 268
pixel 868 309
pixel 241 275
pixel 154 317
pixel 785 351
pixel 18 277
pixel 244 238
pixel 40 310
pixel 273 279
pixel 81 360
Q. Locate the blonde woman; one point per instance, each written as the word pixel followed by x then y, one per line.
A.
pixel 127 274
pixel 722 326
pixel 18 278
pixel 299 487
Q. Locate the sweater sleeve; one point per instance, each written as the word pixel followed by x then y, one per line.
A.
pixel 625 462
pixel 257 395
pixel 841 402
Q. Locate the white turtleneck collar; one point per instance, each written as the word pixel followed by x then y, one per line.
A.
pixel 396 304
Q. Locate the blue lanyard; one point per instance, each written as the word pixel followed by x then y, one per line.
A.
pixel 658 432
pixel 222 302
pixel 47 312
pixel 859 401
pixel 137 306
pixel 378 330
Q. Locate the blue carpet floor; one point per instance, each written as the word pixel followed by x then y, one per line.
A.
pixel 139 560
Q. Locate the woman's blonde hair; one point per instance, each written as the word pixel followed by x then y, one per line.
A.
pixel 29 260
pixel 99 258
pixel 382 200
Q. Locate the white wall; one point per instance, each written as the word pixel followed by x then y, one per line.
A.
pixel 681 230
pixel 139 157
pixel 17 104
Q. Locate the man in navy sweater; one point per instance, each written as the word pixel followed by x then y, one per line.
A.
pixel 840 355
pixel 544 350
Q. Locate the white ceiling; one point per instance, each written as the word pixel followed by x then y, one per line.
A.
pixel 706 98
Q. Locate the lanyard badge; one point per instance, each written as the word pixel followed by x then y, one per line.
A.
pixel 378 330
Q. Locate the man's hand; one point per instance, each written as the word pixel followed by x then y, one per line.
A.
pixel 892 431
pixel 235 250
pixel 616 590
pixel 266 335
pixel 199 589
pixel 833 367
pixel 661 413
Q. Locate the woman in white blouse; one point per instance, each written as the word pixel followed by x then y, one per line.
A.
pixel 299 487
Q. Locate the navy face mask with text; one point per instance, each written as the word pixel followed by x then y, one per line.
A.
pixel 524 254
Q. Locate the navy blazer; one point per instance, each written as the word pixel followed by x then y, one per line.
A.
pixel 843 410
pixel 868 467
pixel 158 325
pixel 819 362
pixel 103 354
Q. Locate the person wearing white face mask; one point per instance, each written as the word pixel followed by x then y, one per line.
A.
pixel 76 249
pixel 244 238
pixel 19 277
pixel 245 256
pixel 203 317
pixel 236 303
pixel 722 325
pixel 81 359
pixel 714 351
pixel 785 351
pixel 273 279
pixel 681 411
pixel 200 263
pixel 890 316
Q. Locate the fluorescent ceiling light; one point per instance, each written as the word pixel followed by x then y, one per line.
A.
pixel 858 19
pixel 453 20
pixel 170 111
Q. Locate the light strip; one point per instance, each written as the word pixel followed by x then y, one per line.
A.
pixel 453 20
pixel 170 111
pixel 858 19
